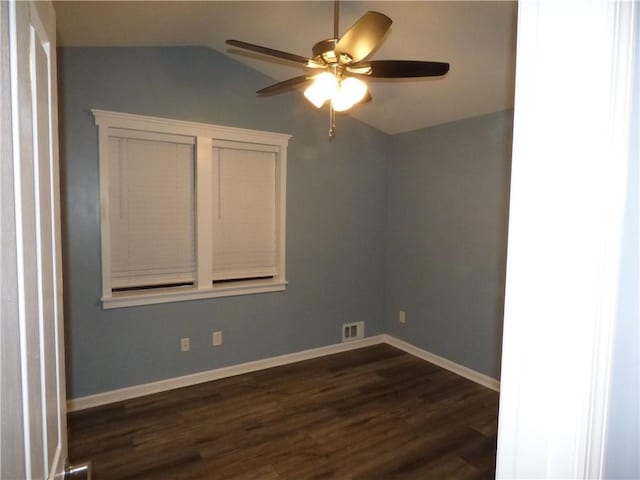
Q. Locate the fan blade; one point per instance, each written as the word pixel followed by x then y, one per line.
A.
pixel 292 57
pixel 364 36
pixel 282 86
pixel 404 68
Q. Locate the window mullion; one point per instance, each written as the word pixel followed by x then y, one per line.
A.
pixel 204 214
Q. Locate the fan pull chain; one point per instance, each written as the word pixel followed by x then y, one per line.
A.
pixel 332 122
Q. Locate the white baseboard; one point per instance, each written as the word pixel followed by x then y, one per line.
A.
pixel 128 393
pixel 454 367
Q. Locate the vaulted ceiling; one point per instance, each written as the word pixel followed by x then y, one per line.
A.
pixel 477 38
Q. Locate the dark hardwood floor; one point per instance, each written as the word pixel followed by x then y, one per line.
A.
pixel 372 413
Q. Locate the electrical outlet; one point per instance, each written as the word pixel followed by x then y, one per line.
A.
pixel 216 339
pixel 185 344
pixel 402 317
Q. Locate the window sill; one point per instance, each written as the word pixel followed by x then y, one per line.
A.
pixel 182 294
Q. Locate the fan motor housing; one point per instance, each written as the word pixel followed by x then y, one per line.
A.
pixel 324 51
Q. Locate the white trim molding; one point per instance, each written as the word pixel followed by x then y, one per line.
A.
pixel 442 362
pixel 215 374
pixel 178 294
pixel 130 121
pixel 135 391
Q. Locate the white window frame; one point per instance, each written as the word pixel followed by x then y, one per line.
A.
pixel 205 137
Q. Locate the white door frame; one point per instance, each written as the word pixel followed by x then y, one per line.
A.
pixel 571 142
pixel 32 397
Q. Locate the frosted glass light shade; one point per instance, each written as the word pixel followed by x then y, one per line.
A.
pixel 341 101
pixel 350 92
pixel 355 89
pixel 323 88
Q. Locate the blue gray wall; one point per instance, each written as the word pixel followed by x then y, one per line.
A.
pixel 447 237
pixel 336 194
pixel 375 224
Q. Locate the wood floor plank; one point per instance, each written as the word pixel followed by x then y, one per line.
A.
pixel 371 413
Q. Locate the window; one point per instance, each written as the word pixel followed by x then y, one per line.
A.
pixel 189 210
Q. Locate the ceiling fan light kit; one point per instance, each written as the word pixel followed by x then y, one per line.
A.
pixel 343 93
pixel 343 60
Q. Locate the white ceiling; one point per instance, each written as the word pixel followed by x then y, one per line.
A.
pixel 477 38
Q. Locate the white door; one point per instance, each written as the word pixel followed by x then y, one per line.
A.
pixel 32 400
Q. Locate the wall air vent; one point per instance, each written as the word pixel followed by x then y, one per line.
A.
pixel 352 331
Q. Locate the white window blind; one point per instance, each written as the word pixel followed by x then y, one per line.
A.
pixel 244 213
pixel 190 205
pixel 152 211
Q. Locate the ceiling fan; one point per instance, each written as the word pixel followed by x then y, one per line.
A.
pixel 341 64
